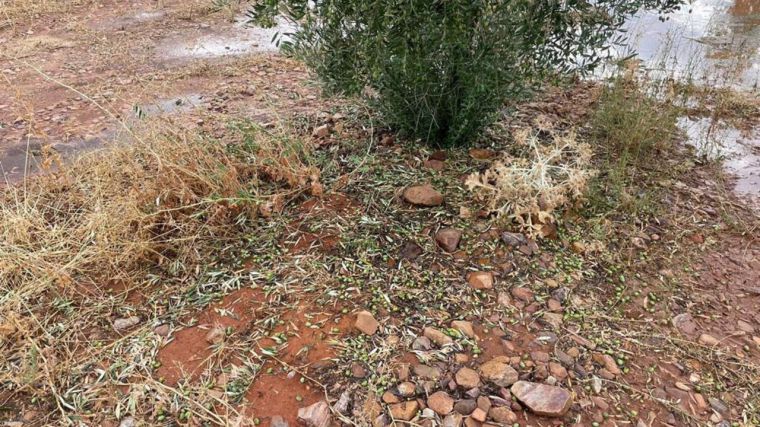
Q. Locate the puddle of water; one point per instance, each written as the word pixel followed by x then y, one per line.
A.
pixel 23 159
pixel 713 41
pixel 240 40
pixel 740 151
pixel 176 104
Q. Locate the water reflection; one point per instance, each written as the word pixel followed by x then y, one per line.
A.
pixel 714 41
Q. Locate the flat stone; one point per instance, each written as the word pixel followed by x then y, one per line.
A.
pixel 448 239
pixel 467 378
pixel 410 251
pixel 390 398
pixel 542 399
pixel 441 403
pixel 423 195
pixel 745 327
pixel 709 340
pixel 608 362
pixel 316 415
pixel 404 411
pixel 278 421
pixel 554 320
pixel 685 323
pixel 465 406
pixel 215 335
pixel 465 328
pixel 480 279
pixel 407 389
pixel 502 415
pixel 421 343
pixel 523 294
pixel 427 372
pixel 498 371
pixel 162 330
pixel 514 239
pixel 437 336
pixel 366 323
pixel 321 131
pixel 126 323
pixel 452 420
pixel 479 415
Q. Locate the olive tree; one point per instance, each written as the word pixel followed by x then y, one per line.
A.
pixel 440 70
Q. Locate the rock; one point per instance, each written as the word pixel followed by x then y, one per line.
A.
pixel 162 330
pixel 390 398
pixel 404 411
pixel 341 406
pixel 467 378
pixel 542 399
pixel 578 247
pixel 435 165
pixel 479 415
pixel 357 370
pixel 215 335
pixel 504 300
pixel 441 403
pixel 564 358
pixel 709 340
pixel 278 421
pixel 127 422
pixel 448 239
pixel 560 294
pixel 461 358
pixel 321 131
pixel 608 362
pixel 539 356
pixel 502 415
pixel 471 422
pixel 482 153
pixel 407 389
pixel 499 372
pixel 423 195
pixel 514 239
pixel 484 403
pixel 126 323
pixel 554 305
pixel 421 343
pixel 410 251
pixel 523 294
pixel 466 406
pixel 465 328
pixel 452 420
pixel 685 323
pixel 480 279
pixel 427 372
pixel 437 336
pixel 718 406
pixel 366 323
pixel 745 327
pixel 557 370
pixel 316 415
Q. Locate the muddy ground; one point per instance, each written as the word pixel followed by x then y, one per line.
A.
pixel 673 299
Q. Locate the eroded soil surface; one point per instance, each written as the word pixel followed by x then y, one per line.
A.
pixel 642 321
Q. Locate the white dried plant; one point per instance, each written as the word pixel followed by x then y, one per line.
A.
pixel 545 177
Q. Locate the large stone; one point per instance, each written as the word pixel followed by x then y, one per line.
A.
pixel 466 406
pixel 316 415
pixel 448 239
pixel 480 279
pixel 499 372
pixel 437 336
pixel 441 403
pixel 423 195
pixel 366 323
pixel 404 411
pixel 467 378
pixel 542 399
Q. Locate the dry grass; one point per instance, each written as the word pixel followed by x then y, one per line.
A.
pixel 15 11
pixel 123 218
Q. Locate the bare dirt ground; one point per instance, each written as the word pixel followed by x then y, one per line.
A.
pixel 646 321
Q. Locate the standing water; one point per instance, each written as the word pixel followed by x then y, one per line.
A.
pixel 715 43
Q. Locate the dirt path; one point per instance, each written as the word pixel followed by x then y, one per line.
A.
pixel 639 321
